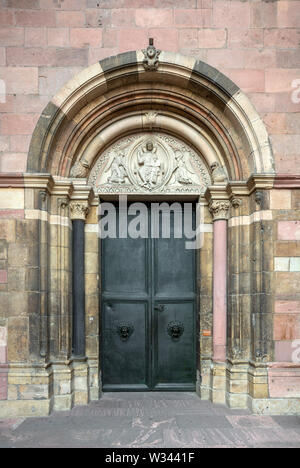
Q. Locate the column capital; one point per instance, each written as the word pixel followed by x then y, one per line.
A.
pixel 79 209
pixel 219 209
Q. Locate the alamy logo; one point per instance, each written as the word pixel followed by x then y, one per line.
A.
pixel 2 92
pixel 167 220
pixel 296 92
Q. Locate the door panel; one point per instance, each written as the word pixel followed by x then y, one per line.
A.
pixel 174 347
pixel 124 266
pixel 126 348
pixel 148 313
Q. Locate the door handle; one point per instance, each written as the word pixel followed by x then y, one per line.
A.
pixel 159 307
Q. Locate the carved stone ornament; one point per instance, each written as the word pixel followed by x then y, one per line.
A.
pixel 151 57
pixel 219 209
pixel 80 170
pixel 236 202
pixel 79 210
pixel 149 163
pixel 218 174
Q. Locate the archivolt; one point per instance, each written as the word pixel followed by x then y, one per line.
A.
pixel 188 98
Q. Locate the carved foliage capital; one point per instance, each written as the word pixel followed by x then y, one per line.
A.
pixel 219 209
pixel 79 210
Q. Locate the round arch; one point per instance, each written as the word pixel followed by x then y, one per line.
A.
pixel 183 97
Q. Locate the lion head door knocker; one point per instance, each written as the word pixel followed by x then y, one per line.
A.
pixel 125 330
pixel 175 330
pixel 151 55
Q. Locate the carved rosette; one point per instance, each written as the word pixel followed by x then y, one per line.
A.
pixel 79 210
pixel 219 209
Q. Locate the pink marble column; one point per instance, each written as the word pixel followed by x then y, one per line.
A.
pixel 219 210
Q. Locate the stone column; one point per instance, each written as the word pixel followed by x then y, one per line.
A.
pixel 79 211
pixel 219 210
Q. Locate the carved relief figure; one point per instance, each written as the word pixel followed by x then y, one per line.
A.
pixel 181 170
pixel 150 165
pixel 118 169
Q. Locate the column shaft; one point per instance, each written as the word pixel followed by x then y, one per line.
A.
pixel 78 289
pixel 220 291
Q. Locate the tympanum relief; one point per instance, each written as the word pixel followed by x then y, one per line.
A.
pixel 150 162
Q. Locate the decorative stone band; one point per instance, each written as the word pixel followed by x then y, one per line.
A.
pixel 262 215
pixel 79 210
pixel 45 216
pixel 219 209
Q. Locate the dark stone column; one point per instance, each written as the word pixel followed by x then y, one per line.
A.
pixel 79 211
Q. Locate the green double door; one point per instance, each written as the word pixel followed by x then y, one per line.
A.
pixel 148 312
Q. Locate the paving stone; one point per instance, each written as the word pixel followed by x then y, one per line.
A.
pixel 152 420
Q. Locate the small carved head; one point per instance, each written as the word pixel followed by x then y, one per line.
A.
pixel 149 145
pixel 214 166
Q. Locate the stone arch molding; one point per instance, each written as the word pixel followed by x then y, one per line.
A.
pixel 181 97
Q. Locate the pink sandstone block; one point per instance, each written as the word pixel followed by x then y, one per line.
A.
pixel 70 19
pixel 188 38
pixel 250 81
pixel 20 80
pixel 287 307
pixel 284 383
pixel 289 14
pixel 11 36
pixel 23 4
pixel 98 17
pixel 153 18
pixel 58 37
pixel 263 15
pixel 280 80
pixel 3 354
pixel 3 276
pixel 289 230
pixel 35 37
pixel 35 19
pixel 212 38
pixel 13 162
pixel 129 38
pixel 12 214
pixel 62 5
pixel 284 351
pixel 189 18
pixel 231 15
pixel 6 18
pixel 30 56
pixel 286 327
pixel 166 39
pixel 82 37
pixel 122 18
pixel 2 56
pixel 281 38
pixel 18 124
pixel 110 38
pixel 239 38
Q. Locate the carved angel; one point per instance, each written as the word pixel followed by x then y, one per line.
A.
pixel 118 169
pixel 182 169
